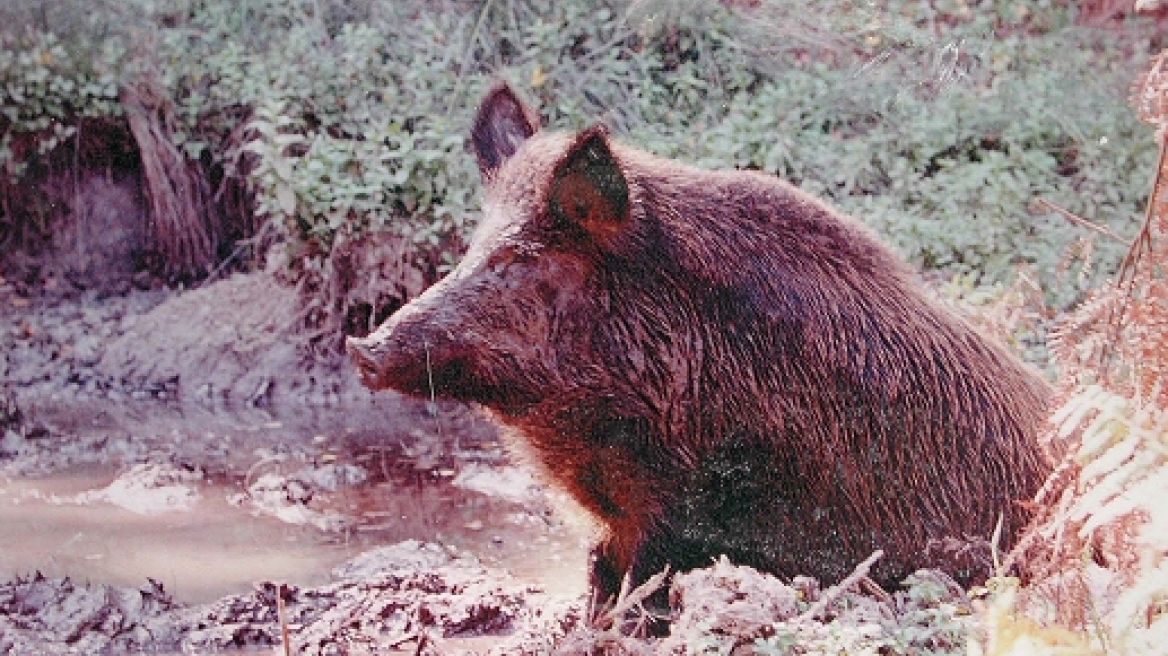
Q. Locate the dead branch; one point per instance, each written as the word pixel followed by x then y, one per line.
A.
pixel 834 592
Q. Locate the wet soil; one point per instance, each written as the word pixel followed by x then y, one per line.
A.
pixel 180 474
pixel 269 499
pixel 178 457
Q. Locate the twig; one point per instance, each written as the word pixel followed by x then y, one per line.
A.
pixel 834 592
pixel 474 36
pixel 240 247
pixel 399 640
pixel 603 617
pixel 1127 271
pixel 873 588
pixel 1080 221
pixel 282 616
pixel 1144 238
pixel 432 407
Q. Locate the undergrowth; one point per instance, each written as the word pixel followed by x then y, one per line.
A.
pixel 941 124
pixel 965 131
pixel 729 609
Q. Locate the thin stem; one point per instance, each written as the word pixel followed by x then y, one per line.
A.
pixel 1080 221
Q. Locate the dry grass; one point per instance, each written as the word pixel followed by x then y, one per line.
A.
pixel 182 223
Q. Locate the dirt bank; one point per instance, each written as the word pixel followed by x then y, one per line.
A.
pixel 420 598
pixel 410 596
pixel 230 343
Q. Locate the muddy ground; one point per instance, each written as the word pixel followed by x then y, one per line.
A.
pixel 180 395
pixel 227 344
pixel 412 531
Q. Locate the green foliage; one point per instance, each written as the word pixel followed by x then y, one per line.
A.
pixel 942 135
pixel 930 622
pixel 42 86
pixel 939 123
pixel 921 620
pixel 345 125
pixel 785 642
pixel 318 184
pixel 43 92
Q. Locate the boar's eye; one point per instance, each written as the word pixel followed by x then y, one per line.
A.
pixel 505 257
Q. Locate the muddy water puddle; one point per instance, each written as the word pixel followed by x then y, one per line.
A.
pixel 197 554
pixel 208 503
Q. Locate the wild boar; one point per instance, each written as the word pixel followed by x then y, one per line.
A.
pixel 714 362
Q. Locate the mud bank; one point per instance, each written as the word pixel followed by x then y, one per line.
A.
pixel 229 343
pixel 420 598
pixel 413 597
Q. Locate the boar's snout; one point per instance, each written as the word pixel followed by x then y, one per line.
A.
pixel 412 352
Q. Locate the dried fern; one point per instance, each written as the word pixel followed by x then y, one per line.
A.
pixel 1096 557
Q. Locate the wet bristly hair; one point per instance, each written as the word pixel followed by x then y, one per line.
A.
pixel 718 363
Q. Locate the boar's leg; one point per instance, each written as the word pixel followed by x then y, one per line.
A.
pixel 604 577
pixel 607 574
pixel 660 549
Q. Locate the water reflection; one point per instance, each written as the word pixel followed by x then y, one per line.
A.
pixel 411 458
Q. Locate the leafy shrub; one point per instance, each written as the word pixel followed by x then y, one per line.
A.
pixel 938 123
pixel 943 142
pixel 42 92
pixel 45 94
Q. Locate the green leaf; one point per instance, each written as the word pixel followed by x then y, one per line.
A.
pixel 282 166
pixel 286 198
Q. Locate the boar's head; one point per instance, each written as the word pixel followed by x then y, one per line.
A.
pixel 516 321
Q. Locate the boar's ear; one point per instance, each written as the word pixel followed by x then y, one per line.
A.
pixel 589 189
pixel 502 125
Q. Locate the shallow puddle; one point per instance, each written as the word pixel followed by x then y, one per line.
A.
pixel 198 554
pixel 57 523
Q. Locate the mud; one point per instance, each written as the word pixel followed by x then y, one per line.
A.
pixel 239 346
pixel 52 345
pixel 411 597
pixel 138 526
pixel 358 477
pixel 171 464
pixel 423 598
pixel 163 452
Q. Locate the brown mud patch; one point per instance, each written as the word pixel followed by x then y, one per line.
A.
pixel 234 341
pixel 137 526
pixel 208 397
pixel 176 447
pixel 407 598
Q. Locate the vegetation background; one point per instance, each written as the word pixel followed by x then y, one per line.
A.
pixel 949 126
pixel 994 143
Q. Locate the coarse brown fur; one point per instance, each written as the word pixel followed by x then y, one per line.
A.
pixel 718 363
